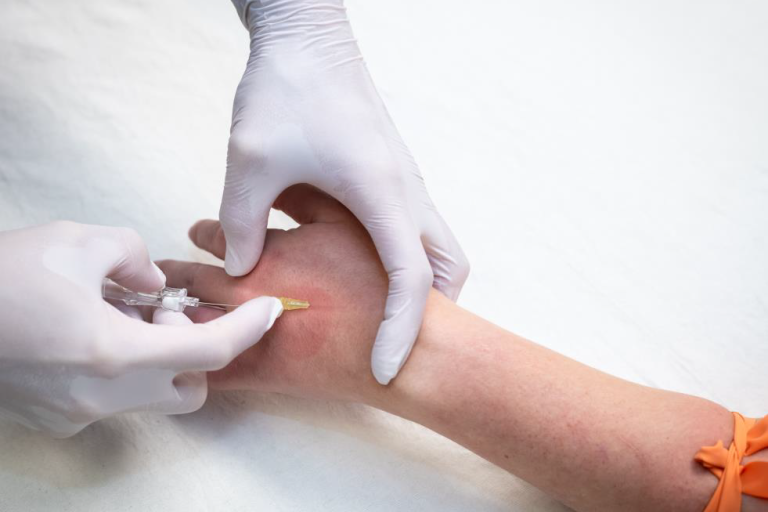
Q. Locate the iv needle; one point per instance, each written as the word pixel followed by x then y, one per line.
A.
pixel 288 304
pixel 213 305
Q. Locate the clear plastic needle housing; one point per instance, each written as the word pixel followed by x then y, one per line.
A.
pixel 174 299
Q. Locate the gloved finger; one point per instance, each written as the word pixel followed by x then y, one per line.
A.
pixel 399 246
pixel 200 347
pixel 168 317
pixel 209 283
pixel 129 264
pixel 248 197
pixel 188 390
pixel 192 388
pixel 209 236
pixel 450 266
pixel 306 205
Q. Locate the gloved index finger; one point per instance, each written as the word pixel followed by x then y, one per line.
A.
pixel 202 347
pixel 128 261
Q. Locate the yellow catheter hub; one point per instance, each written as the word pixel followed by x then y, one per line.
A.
pixel 291 304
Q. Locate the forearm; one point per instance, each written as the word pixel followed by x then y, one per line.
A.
pixel 593 441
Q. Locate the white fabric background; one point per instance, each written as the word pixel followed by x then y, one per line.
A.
pixel 605 165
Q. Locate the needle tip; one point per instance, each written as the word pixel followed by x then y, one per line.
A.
pixel 291 304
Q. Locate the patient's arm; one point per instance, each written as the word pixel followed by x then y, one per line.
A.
pixel 593 441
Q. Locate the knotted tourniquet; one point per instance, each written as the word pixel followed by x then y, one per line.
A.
pixel 749 437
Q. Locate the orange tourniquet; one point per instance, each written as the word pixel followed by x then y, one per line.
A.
pixel 749 437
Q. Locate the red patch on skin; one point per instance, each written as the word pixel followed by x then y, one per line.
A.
pixel 302 333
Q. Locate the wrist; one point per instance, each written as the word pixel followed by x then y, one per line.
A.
pixel 435 367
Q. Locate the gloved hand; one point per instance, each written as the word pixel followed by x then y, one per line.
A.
pixel 68 358
pixel 306 111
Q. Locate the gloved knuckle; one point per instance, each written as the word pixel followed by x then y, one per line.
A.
pixel 243 149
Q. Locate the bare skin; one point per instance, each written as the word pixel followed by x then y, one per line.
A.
pixel 593 441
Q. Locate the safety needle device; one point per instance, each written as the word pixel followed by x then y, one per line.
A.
pixel 175 299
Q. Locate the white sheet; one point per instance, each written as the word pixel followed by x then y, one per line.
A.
pixel 604 164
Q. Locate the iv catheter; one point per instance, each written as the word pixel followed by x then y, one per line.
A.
pixel 175 299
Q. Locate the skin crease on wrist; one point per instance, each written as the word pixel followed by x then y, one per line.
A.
pixel 593 441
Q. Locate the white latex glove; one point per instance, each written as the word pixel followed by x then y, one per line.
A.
pixel 306 111
pixel 68 358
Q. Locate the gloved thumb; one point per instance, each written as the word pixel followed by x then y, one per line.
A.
pixel 249 193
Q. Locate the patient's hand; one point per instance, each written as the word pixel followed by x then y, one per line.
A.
pixel 321 352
